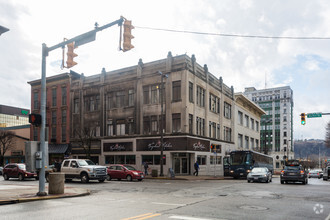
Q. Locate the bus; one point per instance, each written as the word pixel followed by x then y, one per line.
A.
pixel 243 161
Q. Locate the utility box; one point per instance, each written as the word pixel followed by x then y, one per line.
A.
pixel 31 147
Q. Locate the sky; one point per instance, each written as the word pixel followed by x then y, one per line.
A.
pixel 242 62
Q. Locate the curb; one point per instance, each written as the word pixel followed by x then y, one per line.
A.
pixel 36 198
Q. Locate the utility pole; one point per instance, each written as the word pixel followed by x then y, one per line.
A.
pixel 78 40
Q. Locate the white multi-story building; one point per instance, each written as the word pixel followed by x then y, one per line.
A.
pixel 276 128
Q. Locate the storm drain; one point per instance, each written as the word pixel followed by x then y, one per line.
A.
pixel 253 208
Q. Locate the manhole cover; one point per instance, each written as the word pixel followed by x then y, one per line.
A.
pixel 253 208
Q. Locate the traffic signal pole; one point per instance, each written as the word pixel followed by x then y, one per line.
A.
pixel 79 40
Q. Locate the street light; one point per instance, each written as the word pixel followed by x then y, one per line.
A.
pixel 161 124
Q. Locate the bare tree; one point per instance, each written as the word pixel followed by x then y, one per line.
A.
pixel 7 142
pixel 327 135
pixel 85 137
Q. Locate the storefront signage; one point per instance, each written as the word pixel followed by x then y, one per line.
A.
pixel 109 147
pixel 173 144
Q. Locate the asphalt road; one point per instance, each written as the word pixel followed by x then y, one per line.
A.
pixel 181 199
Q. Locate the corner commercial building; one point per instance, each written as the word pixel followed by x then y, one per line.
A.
pixel 277 125
pixel 116 116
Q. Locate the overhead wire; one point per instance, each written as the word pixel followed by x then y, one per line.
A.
pixel 234 35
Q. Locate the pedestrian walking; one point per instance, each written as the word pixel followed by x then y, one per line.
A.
pixel 196 166
pixel 145 165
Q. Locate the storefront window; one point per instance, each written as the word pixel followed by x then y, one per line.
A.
pixel 120 159
pixel 153 159
pixel 201 160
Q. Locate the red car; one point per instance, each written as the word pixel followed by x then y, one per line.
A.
pixel 17 170
pixel 118 171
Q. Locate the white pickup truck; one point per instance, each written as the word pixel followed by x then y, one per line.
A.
pixel 83 169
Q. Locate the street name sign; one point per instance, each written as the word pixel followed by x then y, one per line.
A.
pixel 314 115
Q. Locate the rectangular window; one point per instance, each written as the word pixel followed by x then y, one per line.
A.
pixel 191 121
pixel 120 96
pixel 91 104
pixel 53 117
pixel 97 103
pixel 240 141
pixel 257 126
pixel 120 127
pixel 54 97
pixel 131 129
pixel 201 159
pixel 227 134
pixel 76 105
pixel 35 100
pixel 227 110
pixel 110 128
pixel 240 118
pixel 176 123
pixel 214 103
pixel 35 134
pixel 153 159
pixel 218 131
pixel 246 142
pixel 176 91
pixel 110 103
pixel 63 116
pixel 246 117
pixel 63 95
pixel 54 133
pixel 154 96
pixel 120 159
pixel 252 143
pixel 215 160
pixel 200 96
pixel 145 94
pixel 63 133
pixel 191 92
pixel 154 124
pixel 252 123
pixel 130 97
pixel 146 125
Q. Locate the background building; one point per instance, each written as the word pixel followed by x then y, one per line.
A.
pixel 13 116
pixel 57 113
pixel 116 116
pixel 247 123
pixel 277 125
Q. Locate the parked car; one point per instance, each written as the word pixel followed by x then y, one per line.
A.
pixel 293 173
pixel 315 174
pixel 17 170
pixel 260 174
pixel 1 168
pixel 326 173
pixel 119 171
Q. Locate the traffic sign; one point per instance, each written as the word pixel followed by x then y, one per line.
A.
pixel 314 115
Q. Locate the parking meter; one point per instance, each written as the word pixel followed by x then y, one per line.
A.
pixel 38 159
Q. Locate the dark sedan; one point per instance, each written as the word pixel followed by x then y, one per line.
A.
pixel 260 174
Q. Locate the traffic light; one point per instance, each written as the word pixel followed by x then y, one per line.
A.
pixel 303 118
pixel 70 55
pixel 35 119
pixel 128 35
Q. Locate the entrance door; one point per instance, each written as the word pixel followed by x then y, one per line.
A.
pixel 181 165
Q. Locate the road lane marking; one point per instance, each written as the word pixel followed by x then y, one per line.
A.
pixel 189 218
pixel 143 216
pixel 173 204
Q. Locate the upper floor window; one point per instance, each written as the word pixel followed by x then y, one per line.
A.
pixel 227 110
pixel 214 103
pixel 154 96
pixel 130 97
pixel 54 97
pixel 145 94
pixel 120 97
pixel 191 92
pixel 246 120
pixel 227 134
pixel 240 118
pixel 76 105
pixel 176 91
pixel 35 100
pixel 64 96
pixel 200 96
pixel 176 123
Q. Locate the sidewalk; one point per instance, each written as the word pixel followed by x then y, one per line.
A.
pixel 188 177
pixel 10 194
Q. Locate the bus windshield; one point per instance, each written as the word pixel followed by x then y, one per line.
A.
pixel 241 158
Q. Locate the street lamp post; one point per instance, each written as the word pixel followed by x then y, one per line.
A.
pixel 162 124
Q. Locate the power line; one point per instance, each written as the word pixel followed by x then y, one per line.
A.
pixel 235 35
